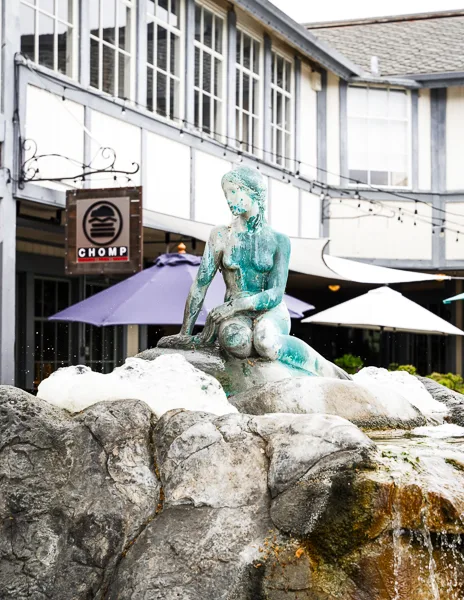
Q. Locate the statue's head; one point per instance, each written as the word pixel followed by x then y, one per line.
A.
pixel 245 191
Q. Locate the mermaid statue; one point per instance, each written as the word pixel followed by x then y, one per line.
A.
pixel 254 261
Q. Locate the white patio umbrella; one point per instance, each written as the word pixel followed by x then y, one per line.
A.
pixel 386 310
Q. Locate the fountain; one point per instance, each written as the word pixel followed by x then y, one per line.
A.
pixel 238 464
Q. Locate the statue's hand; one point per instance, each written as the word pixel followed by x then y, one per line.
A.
pixel 223 312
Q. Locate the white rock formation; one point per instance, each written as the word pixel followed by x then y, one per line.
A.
pixel 166 383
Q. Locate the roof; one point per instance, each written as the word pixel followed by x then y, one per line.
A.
pixel 416 44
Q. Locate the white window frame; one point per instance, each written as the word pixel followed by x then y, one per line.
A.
pixel 253 147
pixel 280 156
pixel 407 120
pixel 132 5
pixel 74 26
pixel 214 133
pixel 179 31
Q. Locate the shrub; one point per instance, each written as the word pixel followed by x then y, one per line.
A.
pixel 449 380
pixel 350 363
pixel 411 369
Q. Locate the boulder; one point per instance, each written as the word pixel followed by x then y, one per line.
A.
pixel 74 494
pixel 376 407
pixel 451 399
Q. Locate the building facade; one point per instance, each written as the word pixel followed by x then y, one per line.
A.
pixel 187 89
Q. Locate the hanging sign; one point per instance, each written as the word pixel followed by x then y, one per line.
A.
pixel 104 231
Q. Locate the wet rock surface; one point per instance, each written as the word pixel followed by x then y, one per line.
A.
pixel 374 408
pixel 113 504
pixel 453 400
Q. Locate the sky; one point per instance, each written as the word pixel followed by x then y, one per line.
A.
pixel 309 11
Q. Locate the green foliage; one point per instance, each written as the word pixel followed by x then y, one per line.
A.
pixel 350 363
pixel 449 380
pixel 411 369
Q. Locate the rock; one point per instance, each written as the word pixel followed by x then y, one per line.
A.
pixel 234 374
pixel 451 399
pixel 73 493
pixel 111 504
pixel 375 408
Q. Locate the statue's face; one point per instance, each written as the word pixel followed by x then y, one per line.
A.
pixel 238 200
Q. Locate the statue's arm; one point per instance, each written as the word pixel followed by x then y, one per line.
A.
pixel 206 272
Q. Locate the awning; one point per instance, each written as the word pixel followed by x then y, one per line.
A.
pixel 307 256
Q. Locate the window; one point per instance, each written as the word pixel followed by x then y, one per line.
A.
pixel 48 33
pixel 209 71
pixel 52 347
pixel 378 136
pixel 111 46
pixel 163 57
pixel 247 96
pixel 281 110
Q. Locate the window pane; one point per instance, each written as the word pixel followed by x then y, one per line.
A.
pixel 47 6
pixel 256 48
pixel 399 179
pixel 161 48
pixel 94 17
pixel 274 67
pixel 246 51
pixel 238 47
pixel 46 42
pixel 206 84
pixel 108 70
pixel 246 92
pixel 48 342
pixel 123 75
pixel 288 76
pixel 287 119
pixel 108 21
pixel 218 77
pixel 357 101
pixel 378 103
pixel 357 136
pixel 278 147
pixel 288 149
pixel 175 13
pixel 197 23
pixel 255 134
pixel 398 137
pixel 206 109
pixel 149 88
pixel 49 299
pixel 151 7
pixel 65 10
pixel 238 128
pixel 218 34
pixel 379 177
pixel 255 96
pixel 397 105
pixel 62 346
pixel 64 48
pixel 245 132
pixel 27 31
pixel 279 109
pixel 38 299
pixel 162 10
pixel 174 55
pixel 357 175
pixel 217 124
pixel 197 109
pixel 124 27
pixel 280 71
pixel 197 67
pixel 161 92
pixel 207 28
pixel 173 112
pixel 94 66
pixel 150 34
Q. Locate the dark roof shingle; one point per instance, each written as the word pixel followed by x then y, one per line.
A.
pixel 432 43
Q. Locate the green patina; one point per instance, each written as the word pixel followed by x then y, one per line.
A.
pixel 254 261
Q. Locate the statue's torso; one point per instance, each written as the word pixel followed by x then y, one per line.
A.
pixel 247 260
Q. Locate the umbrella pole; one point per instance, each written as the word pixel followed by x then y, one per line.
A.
pixel 383 348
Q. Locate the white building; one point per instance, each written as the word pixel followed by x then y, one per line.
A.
pixel 186 89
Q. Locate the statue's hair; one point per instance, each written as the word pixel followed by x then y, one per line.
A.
pixel 251 181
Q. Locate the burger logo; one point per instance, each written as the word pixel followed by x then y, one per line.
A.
pixel 102 223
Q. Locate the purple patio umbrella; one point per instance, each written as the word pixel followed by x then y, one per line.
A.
pixel 156 296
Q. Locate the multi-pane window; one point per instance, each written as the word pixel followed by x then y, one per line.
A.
pixel 48 33
pixel 281 110
pixel 378 136
pixel 163 57
pixel 52 346
pixel 247 94
pixel 111 46
pixel 209 70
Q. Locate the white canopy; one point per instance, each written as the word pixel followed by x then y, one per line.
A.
pixel 383 308
pixel 307 255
